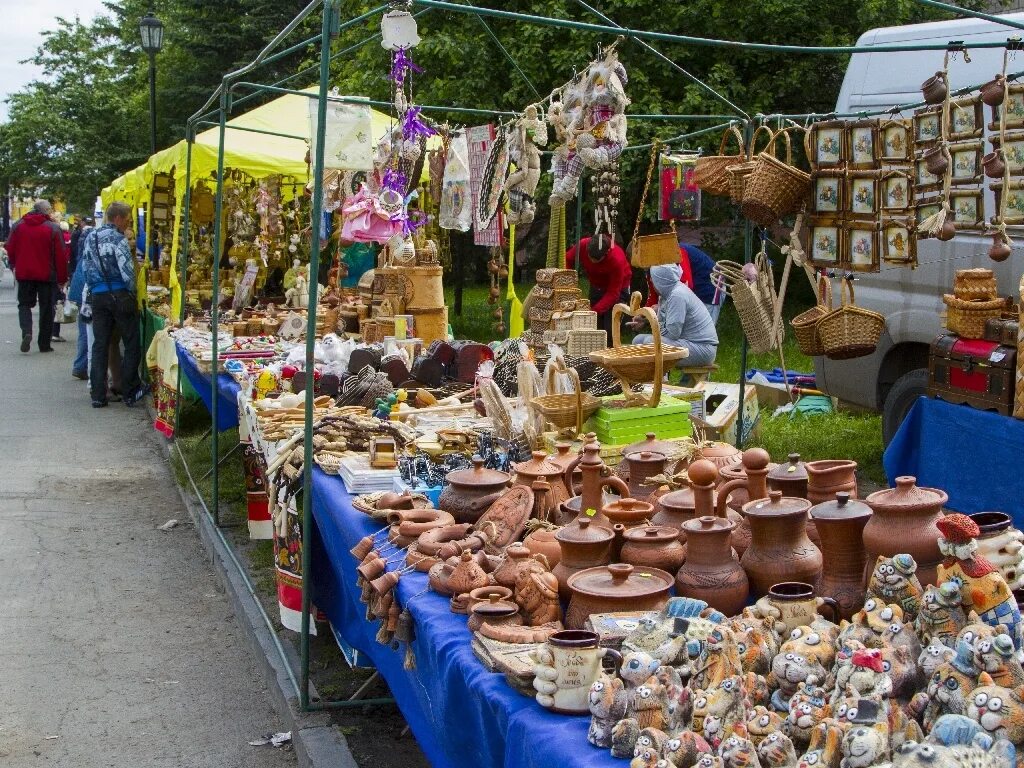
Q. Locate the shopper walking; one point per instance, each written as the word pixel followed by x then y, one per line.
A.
pixel 37 255
pixel 110 278
pixel 58 288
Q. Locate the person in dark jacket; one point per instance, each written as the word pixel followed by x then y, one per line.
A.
pixel 39 258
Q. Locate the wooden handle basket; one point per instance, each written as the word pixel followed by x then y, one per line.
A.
pixel 711 173
pixel 850 331
pixel 754 302
pixel 774 188
pixel 805 325
pixel 967 318
pixel 569 410
pixel 738 173
pixel 637 363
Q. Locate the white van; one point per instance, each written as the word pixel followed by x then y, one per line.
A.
pixel 894 376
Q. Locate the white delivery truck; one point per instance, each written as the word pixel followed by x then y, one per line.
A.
pixel 894 376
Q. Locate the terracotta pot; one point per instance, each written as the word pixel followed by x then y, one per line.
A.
pixel 541 468
pixel 994 164
pixel 904 521
pixel 936 160
pixel 496 612
pixel 617 587
pixel 542 541
pixel 649 443
pixel 948 230
pixel 570 510
pixel 563 458
pixel 994 91
pixel 596 478
pixel 789 477
pixel 467 576
pixel 483 594
pixel 747 487
pixel 468 485
pixel 1000 250
pixel 828 477
pixel 584 545
pixel 720 454
pixel 642 465
pixel 779 548
pixel 934 88
pixel 797 604
pixel 625 514
pixel 712 572
pixel 1000 544
pixel 653 546
pixel 840 525
pixel 517 558
pixel 674 509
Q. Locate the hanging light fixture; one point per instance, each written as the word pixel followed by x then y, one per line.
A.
pixel 398 30
pixel 151 30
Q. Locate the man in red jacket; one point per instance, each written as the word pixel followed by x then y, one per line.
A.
pixel 39 258
pixel 608 272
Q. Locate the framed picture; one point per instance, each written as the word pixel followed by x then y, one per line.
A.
pixel 968 208
pixel 966 119
pixel 1013 152
pixel 862 144
pixel 899 241
pixel 827 143
pixel 927 126
pixel 1014 213
pixel 896 192
pixel 966 167
pixel 894 136
pixel 1014 106
pixel 825 241
pixel 923 209
pixel 862 246
pixel 925 180
pixel 828 192
pixel 862 194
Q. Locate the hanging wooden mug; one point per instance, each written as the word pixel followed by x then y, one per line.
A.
pixel 934 88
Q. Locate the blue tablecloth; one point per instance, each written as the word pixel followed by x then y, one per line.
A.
pixel 972 455
pixel 461 714
pixel 227 390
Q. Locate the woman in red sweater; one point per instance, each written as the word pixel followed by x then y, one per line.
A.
pixel 608 272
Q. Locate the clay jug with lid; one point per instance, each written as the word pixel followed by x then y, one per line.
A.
pixel 644 465
pixel 711 572
pixel 653 546
pixel 779 548
pixel 904 521
pixel 790 477
pixel 828 477
pixel 540 467
pixel 840 525
pixel 470 491
pixel 649 443
pixel 596 477
pixel 541 540
pixel 754 485
pixel 517 559
pixel 563 458
pixel 584 545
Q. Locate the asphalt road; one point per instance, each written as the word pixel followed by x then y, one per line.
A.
pixel 116 647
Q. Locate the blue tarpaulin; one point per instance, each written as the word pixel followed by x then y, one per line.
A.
pixel 461 714
pixel 972 455
pixel 227 390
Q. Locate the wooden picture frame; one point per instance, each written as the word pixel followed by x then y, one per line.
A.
pixel 825 242
pixel 927 126
pixel 827 144
pixel 899 240
pixel 968 208
pixel 1013 152
pixel 925 180
pixel 965 163
pixel 924 208
pixel 862 246
pixel 966 118
pixel 862 150
pixel 1014 108
pixel 828 192
pixel 862 197
pixel 895 141
pixel 896 192
pixel 1014 204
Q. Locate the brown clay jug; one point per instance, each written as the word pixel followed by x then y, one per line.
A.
pixel 827 477
pixel 753 486
pixel 711 572
pixel 584 545
pixel 994 91
pixel 653 546
pixel 934 88
pixel 517 559
pixel 643 465
pixel 674 509
pixel 994 164
pixel 596 477
pixel 790 477
pixel 649 443
pixel 1000 250
pixel 779 548
pixel 904 521
pixel 840 525
pixel 624 515
pixel 563 458
pixel 541 468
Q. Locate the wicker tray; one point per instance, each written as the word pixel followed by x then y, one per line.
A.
pixel 566 411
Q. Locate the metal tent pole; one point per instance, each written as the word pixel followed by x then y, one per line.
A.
pixel 748 252
pixel 218 235
pixel 183 258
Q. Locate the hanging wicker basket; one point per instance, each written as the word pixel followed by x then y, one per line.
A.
pixel 754 301
pixel 805 325
pixel 774 188
pixel 710 173
pixel 850 331
pixel 738 173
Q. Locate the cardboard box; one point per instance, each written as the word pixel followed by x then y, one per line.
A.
pixel 721 408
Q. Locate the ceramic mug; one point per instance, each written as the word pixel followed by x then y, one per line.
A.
pixel 797 605
pixel 566 666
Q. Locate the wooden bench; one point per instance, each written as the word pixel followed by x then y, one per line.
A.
pixel 698 373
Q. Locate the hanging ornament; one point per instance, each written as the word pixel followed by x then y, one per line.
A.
pixel 398 31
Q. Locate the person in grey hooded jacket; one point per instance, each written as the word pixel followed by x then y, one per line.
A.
pixel 684 320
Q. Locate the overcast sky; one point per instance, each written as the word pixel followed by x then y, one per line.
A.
pixel 21 22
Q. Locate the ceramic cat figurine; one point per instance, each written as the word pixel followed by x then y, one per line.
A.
pixel 685 748
pixel 738 752
pixel 999 710
pixel 720 658
pixel 942 615
pixel 932 655
pixel 894 580
pixel 789 670
pixel 755 646
pixel 914 755
pixel 776 750
pixel 948 691
pixel 761 722
pixel 807 708
pixel 998 657
pixel 825 747
pixel 900 663
pixel 862 674
pixel 864 746
pixel 720 711
pixel 899 727
pixel 607 700
pixel 649 746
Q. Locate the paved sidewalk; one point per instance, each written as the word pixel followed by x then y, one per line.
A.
pixel 116 649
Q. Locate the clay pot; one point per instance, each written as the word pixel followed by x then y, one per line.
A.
pixel 542 541
pixel 541 468
pixel 720 454
pixel 790 478
pixel 570 510
pixel 494 611
pixel 468 485
pixel 642 465
pixel 653 546
pixel 1000 250
pixel 596 477
pixel 994 164
pixel 517 557
pixel 563 459
pixel 483 594
pixel 1000 544
pixel 828 477
pixel 674 509
pixel 840 525
pixel 948 230
pixel 904 521
pixel 750 484
pixel 625 514
pixel 934 88
pixel 936 160
pixel 994 91
pixel 617 587
pixel 649 443
pixel 779 548
pixel 712 572
pixel 584 545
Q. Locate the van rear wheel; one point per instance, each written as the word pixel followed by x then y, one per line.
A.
pixel 903 394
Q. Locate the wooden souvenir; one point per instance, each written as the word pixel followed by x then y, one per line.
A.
pixel 968 208
pixel 383 453
pixel 896 192
pixel 924 208
pixel 1014 109
pixel 895 141
pixel 862 144
pixel 825 242
pixel 899 241
pixel 826 142
pixel 1014 213
pixel 966 166
pixel 927 126
pixel 862 198
pixel 862 248
pixel 966 120
pixel 828 192
pixel 1013 152
pixel 974 372
pixel 925 180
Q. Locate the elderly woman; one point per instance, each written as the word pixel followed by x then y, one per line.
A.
pixel 684 320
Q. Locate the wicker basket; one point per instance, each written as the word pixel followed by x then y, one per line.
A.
pixel 805 325
pixel 967 318
pixel 738 179
pixel 561 321
pixel 582 341
pixel 566 411
pixel 556 337
pixel 774 188
pixel 850 331
pixel 711 173
pixel 557 278
pixel 975 285
pixel 584 320
pixel 653 250
pixel 755 302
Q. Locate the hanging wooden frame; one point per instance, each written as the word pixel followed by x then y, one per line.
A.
pixel 1013 151
pixel 968 208
pixel 896 192
pixel 825 242
pixel 966 119
pixel 862 144
pixel 965 166
pixel 927 126
pixel 924 180
pixel 1014 108
pixel 1014 214
pixel 828 192
pixel 895 141
pixel 827 142
pixel 862 246
pixel 899 241
pixel 862 195
pixel 923 208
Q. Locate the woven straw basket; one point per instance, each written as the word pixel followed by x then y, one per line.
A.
pixel 711 173
pixel 774 188
pixel 967 318
pixel 569 410
pixel 850 331
pixel 805 325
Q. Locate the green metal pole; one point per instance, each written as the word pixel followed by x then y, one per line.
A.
pixel 218 243
pixel 256 130
pixel 330 11
pixel 975 14
pixel 183 257
pixel 748 253
pixel 579 220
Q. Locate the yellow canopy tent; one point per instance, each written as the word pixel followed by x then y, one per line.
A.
pixel 256 154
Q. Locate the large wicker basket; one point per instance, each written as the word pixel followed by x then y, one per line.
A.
pixel 805 325
pixel 967 318
pixel 774 188
pixel 754 301
pixel 637 363
pixel 850 331
pixel 711 173
pixel 570 410
pixel 738 173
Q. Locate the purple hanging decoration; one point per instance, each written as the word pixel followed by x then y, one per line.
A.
pixel 413 126
pixel 413 221
pixel 401 65
pixel 395 180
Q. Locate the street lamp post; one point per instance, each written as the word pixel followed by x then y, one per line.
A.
pixel 151 29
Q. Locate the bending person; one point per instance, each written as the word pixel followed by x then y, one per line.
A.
pixel 684 320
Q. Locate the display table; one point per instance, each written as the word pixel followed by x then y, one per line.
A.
pixel 227 390
pixel 972 455
pixel 461 714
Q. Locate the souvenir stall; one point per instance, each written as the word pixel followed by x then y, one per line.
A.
pixel 543 540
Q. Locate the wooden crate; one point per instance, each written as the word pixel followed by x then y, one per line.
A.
pixel 972 372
